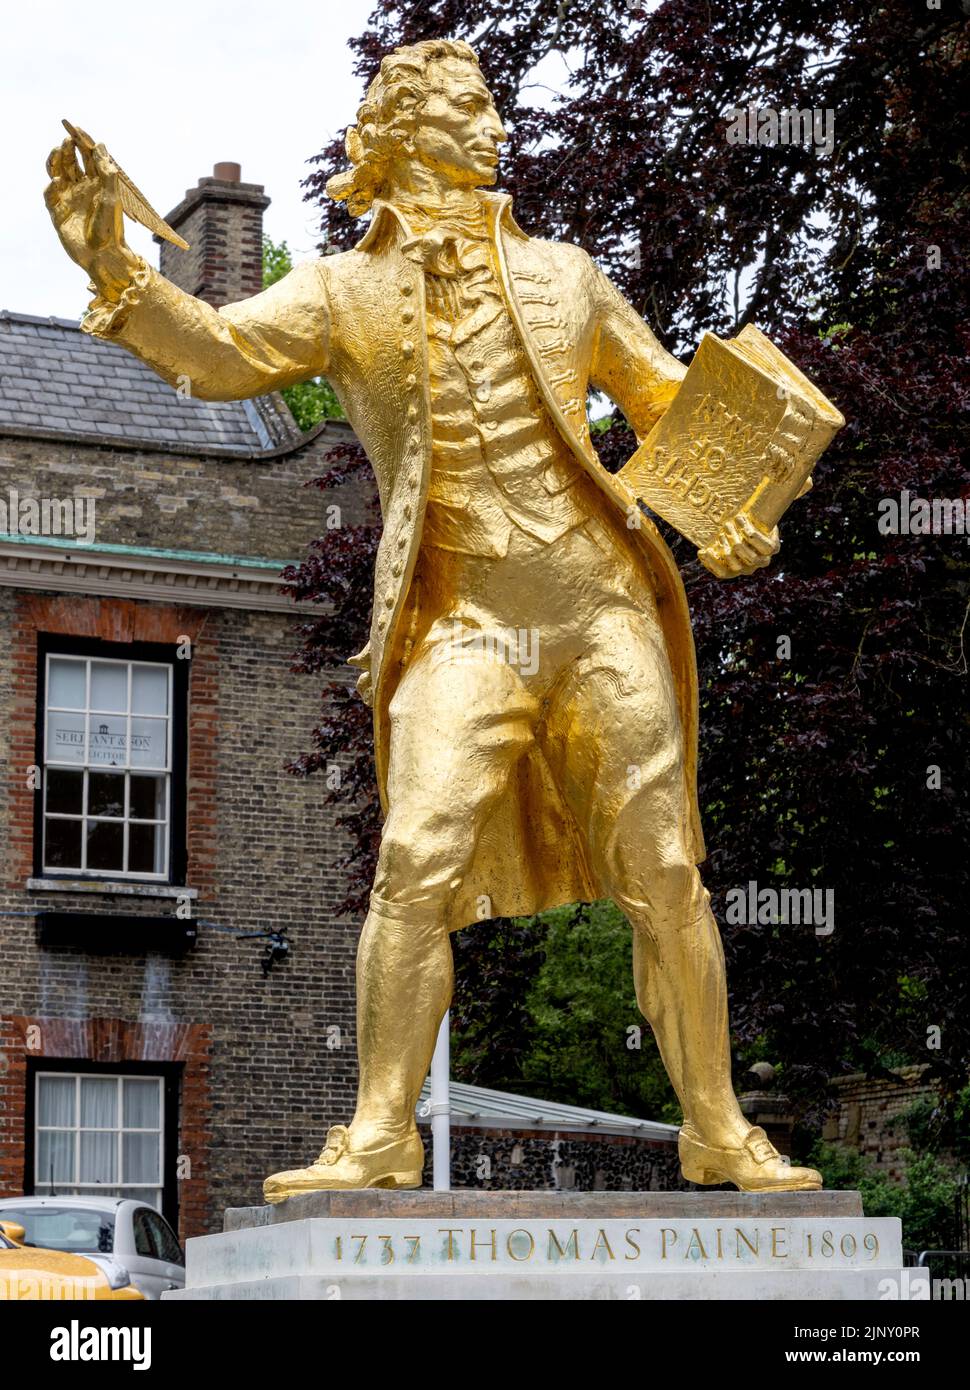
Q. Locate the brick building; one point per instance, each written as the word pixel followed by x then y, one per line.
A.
pixel 869 1115
pixel 147 711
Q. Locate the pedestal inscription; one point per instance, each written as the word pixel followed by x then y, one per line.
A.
pixel 551 1245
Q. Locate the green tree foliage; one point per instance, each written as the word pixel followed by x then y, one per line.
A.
pixel 933 1128
pixel 545 1006
pixel 924 1201
pixel 591 1045
pixel 493 1028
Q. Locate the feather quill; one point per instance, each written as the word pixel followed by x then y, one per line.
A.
pixel 133 201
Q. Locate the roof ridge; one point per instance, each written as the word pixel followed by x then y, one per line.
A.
pixel 50 320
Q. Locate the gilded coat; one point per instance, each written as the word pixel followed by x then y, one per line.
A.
pixel 358 319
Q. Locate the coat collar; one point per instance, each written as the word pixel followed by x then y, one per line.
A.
pixel 386 216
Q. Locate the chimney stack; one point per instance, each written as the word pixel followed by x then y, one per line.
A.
pixel 222 220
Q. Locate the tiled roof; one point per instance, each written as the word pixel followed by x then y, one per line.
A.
pixel 56 379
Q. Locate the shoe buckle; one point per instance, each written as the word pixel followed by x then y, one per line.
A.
pixel 336 1145
pixel 759 1146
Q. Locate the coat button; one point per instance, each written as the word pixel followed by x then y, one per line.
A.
pixel 482 392
pixel 381 623
pixel 412 412
pixel 407 347
pixel 389 600
pixel 396 569
pixel 408 513
pixel 402 541
pixel 407 316
pixel 411 380
pixel 407 287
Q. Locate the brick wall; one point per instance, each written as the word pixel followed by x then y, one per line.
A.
pixel 867 1116
pixel 256 508
pixel 262 853
pixel 542 1161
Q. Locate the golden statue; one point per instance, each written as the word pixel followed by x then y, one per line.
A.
pixel 530 663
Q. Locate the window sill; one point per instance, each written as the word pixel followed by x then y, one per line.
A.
pixel 107 885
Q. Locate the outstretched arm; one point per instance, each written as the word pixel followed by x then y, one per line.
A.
pixel 272 340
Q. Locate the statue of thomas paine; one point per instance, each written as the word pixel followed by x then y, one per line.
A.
pixel 462 351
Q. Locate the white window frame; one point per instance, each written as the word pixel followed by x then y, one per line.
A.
pixel 150 1193
pixel 127 769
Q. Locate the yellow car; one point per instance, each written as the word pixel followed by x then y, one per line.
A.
pixel 30 1273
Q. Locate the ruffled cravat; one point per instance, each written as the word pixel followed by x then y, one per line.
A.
pixel 453 249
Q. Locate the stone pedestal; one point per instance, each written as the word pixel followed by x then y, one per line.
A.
pixel 550 1245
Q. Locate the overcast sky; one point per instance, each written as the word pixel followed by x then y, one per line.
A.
pixel 171 88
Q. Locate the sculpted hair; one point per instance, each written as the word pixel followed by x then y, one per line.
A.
pixel 387 120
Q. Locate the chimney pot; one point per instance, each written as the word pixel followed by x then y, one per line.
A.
pixel 227 172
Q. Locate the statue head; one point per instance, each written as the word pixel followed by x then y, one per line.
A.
pixel 427 106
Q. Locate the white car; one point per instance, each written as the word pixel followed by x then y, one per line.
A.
pixel 133 1234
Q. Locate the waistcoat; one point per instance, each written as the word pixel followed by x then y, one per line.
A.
pixel 497 461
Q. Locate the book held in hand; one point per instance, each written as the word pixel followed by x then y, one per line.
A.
pixel 742 433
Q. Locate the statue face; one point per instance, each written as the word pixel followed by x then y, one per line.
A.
pixel 459 131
